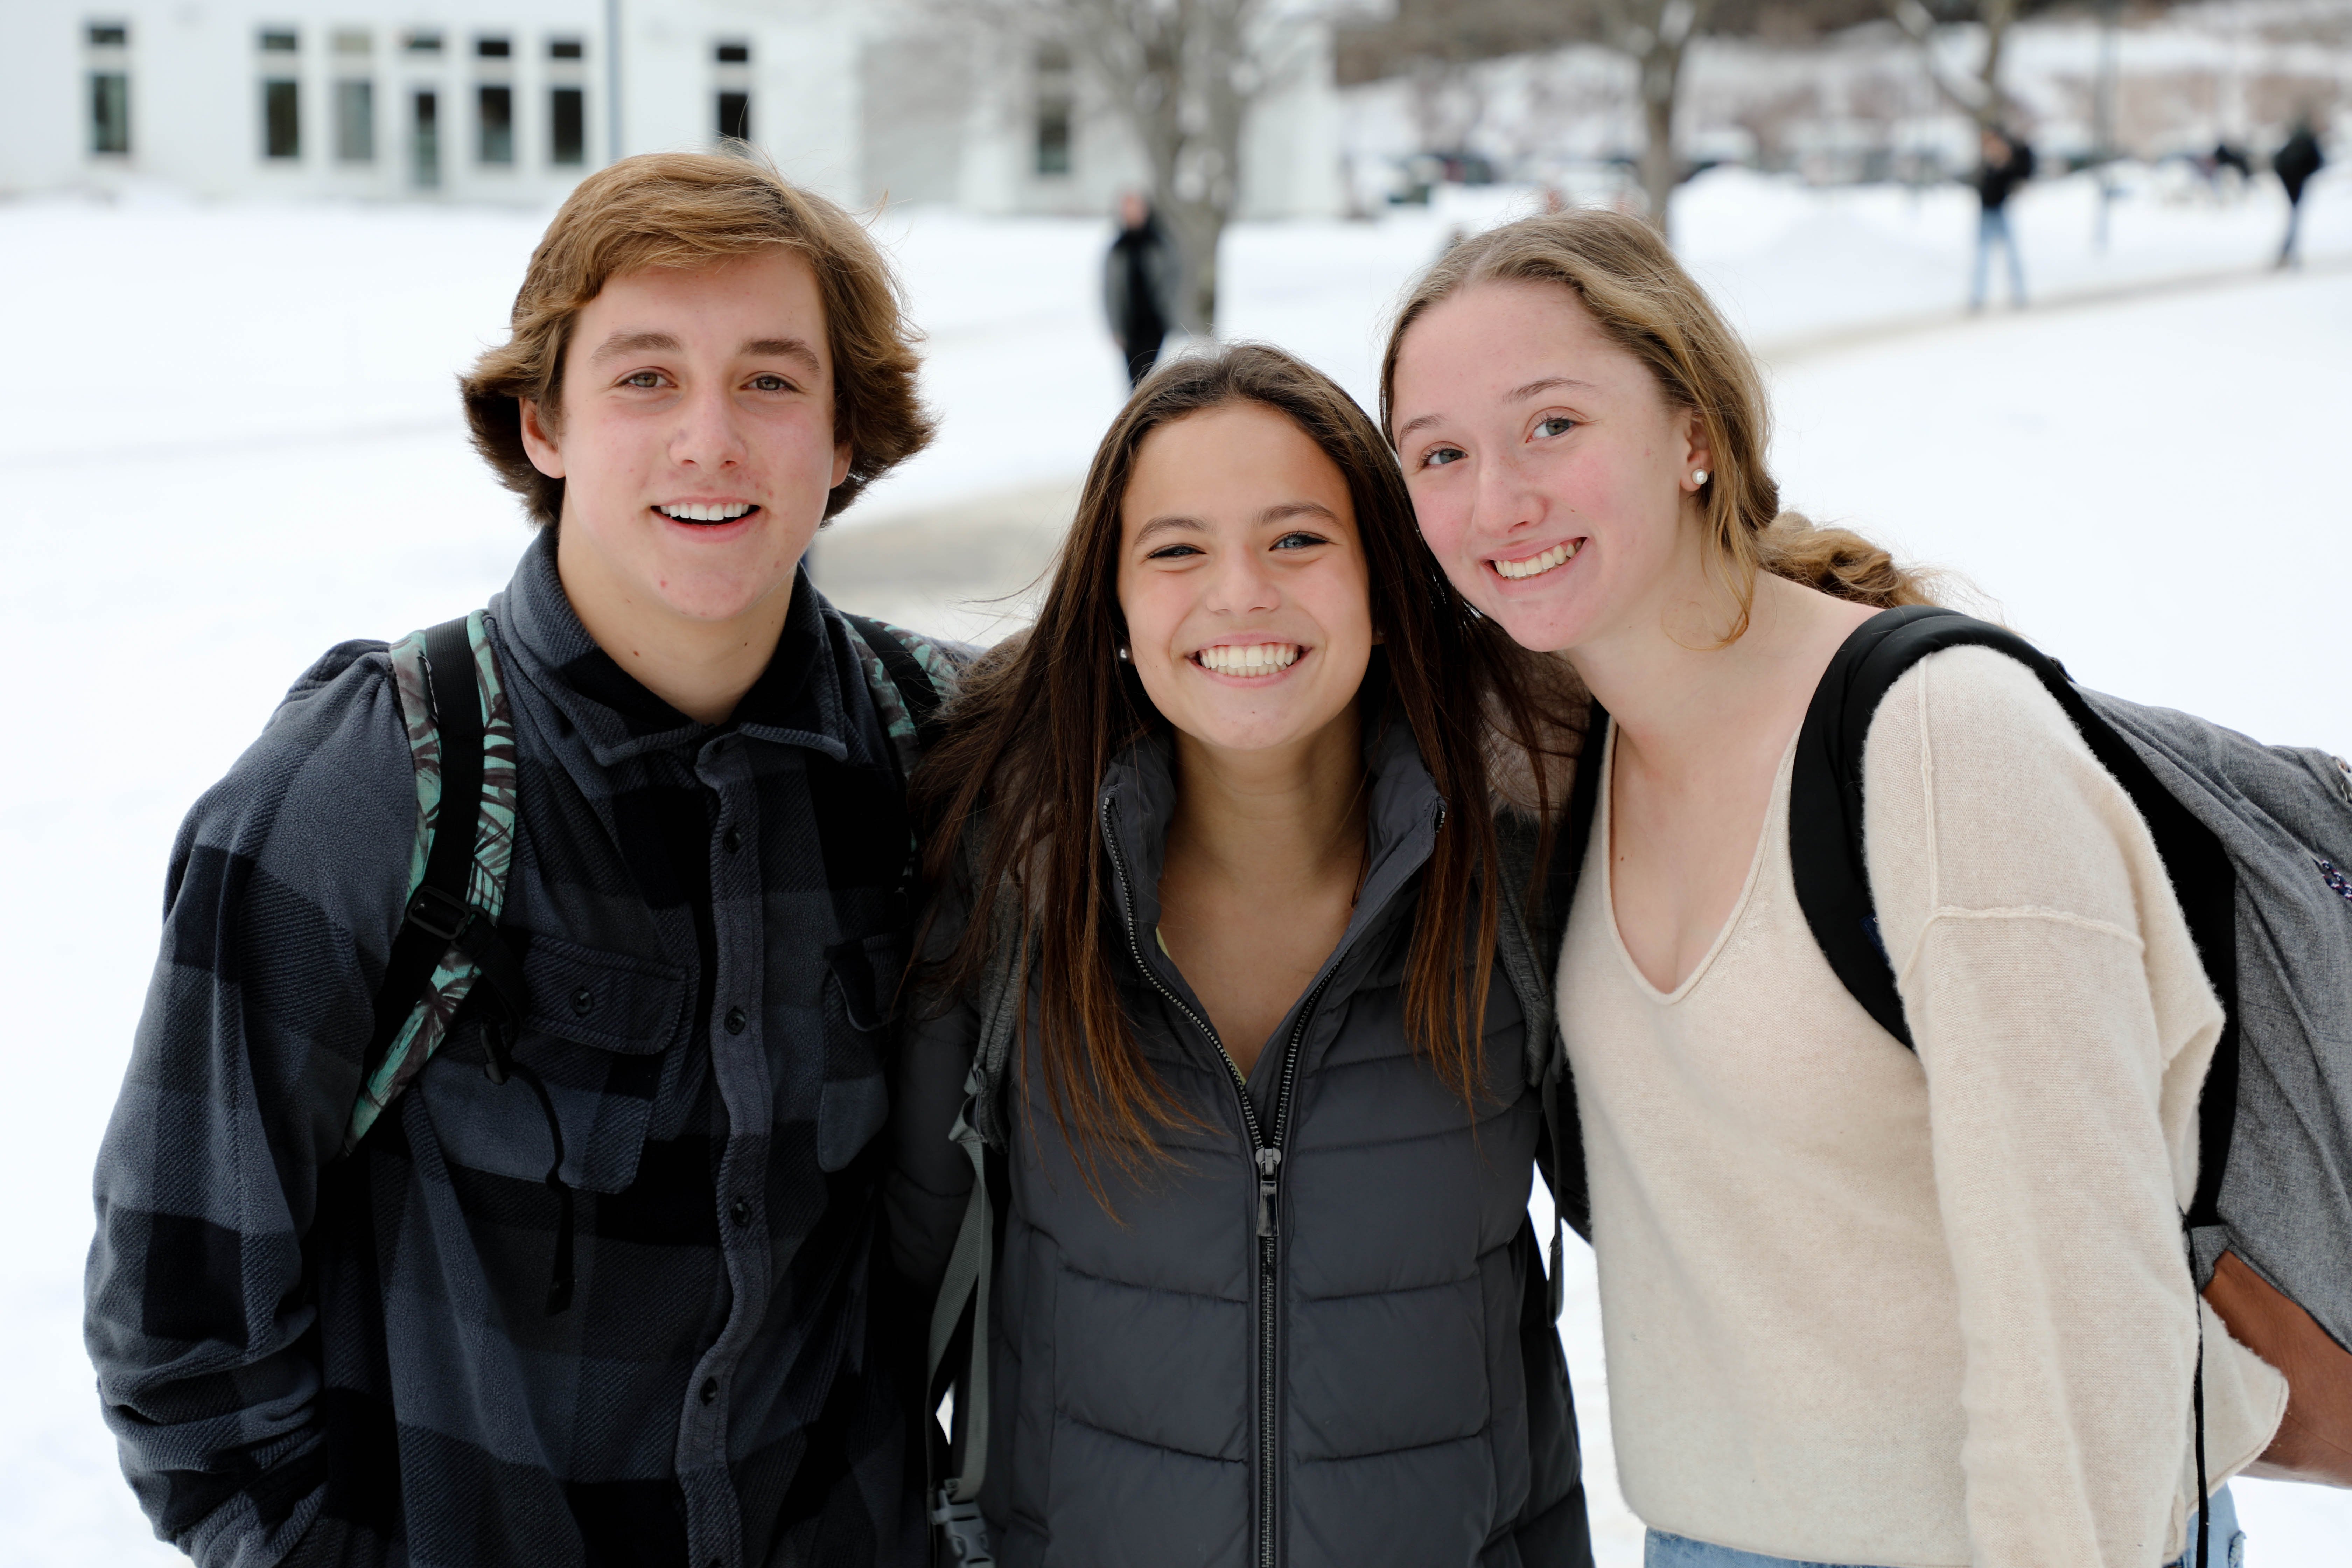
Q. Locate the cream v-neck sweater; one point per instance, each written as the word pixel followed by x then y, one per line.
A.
pixel 1863 1306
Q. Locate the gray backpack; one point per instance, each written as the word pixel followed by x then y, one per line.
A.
pixel 2258 841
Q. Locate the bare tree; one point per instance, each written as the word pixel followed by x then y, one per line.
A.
pixel 1656 34
pixel 1183 74
pixel 1980 97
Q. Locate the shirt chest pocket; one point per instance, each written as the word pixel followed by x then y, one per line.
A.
pixel 861 985
pixel 598 1031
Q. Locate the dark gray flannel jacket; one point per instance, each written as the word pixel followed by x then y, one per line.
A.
pixel 310 1360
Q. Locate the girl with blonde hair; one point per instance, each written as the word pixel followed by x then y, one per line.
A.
pixel 1862 1304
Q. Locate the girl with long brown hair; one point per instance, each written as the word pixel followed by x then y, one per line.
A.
pixel 1861 1304
pixel 1256 1094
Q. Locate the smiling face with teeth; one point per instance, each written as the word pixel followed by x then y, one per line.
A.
pixel 1550 475
pixel 1243 582
pixel 696 445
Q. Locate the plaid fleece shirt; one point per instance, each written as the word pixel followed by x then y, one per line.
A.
pixel 311 1361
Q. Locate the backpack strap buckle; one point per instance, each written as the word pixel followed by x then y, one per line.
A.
pixel 438 912
pixel 960 1526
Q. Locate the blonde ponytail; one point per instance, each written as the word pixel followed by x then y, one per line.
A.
pixel 1840 563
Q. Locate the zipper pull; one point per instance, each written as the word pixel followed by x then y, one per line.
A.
pixel 1269 1163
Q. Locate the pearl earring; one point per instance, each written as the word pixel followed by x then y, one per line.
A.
pixel 1698 477
pixel 1124 657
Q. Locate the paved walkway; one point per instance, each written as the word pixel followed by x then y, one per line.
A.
pixel 965 571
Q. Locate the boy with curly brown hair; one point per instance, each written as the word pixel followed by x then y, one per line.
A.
pixel 596 1283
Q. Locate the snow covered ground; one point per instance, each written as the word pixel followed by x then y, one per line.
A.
pixel 232 441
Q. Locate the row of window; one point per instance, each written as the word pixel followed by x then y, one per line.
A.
pixel 355 122
pixel 493 105
pixel 355 125
pixel 420 41
pixel 355 101
pixel 416 41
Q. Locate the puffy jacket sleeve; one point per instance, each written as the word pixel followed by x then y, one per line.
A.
pixel 931 1176
pixel 2064 1024
pixel 285 887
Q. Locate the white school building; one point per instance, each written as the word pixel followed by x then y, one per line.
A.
pixel 512 100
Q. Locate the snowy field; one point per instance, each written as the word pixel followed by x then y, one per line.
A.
pixel 236 442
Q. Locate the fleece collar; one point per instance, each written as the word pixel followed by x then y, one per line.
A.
pixel 798 700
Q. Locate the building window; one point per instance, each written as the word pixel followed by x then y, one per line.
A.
pixel 1053 137
pixel 496 117
pixel 281 118
pixel 110 86
pixel 564 48
pixel 109 110
pixel 279 41
pixel 734 53
pixel 735 116
pixel 355 122
pixel 1054 102
pixel 354 41
pixel 493 47
pixel 425 140
pixel 567 137
pixel 424 41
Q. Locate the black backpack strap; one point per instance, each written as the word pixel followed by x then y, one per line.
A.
pixel 464 722
pixel 438 910
pixel 439 914
pixel 1833 878
pixel 916 692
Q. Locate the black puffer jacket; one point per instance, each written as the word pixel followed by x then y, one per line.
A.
pixel 1996 183
pixel 2297 161
pixel 1376 1381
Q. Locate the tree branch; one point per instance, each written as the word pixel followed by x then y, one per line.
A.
pixel 1980 100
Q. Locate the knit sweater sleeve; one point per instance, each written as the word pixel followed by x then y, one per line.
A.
pixel 2065 1026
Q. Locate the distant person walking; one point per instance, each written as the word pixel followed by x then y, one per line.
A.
pixel 2007 166
pixel 1140 285
pixel 2295 164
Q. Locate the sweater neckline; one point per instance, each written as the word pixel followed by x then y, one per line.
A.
pixel 1775 827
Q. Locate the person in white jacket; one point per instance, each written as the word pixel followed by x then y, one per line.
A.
pixel 1861 1305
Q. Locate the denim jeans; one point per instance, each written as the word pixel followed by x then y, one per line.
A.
pixel 1663 1551
pixel 1992 228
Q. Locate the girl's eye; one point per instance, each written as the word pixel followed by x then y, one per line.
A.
pixel 1299 540
pixel 1557 425
pixel 1438 457
pixel 643 378
pixel 1172 553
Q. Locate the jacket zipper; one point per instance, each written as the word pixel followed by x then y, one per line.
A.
pixel 1267 1153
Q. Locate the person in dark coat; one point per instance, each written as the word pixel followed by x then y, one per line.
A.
pixel 1256 1084
pixel 1139 281
pixel 2295 164
pixel 2007 163
pixel 607 1285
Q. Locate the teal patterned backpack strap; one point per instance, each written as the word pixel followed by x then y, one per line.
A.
pixel 910 678
pixel 461 740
